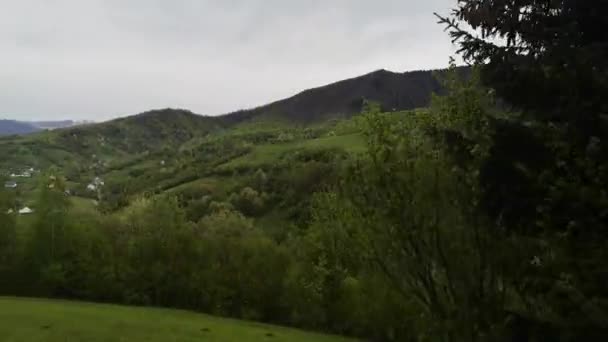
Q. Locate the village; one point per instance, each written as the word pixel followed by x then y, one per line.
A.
pixel 17 180
pixel 23 182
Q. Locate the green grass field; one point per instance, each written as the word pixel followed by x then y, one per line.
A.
pixel 269 153
pixel 37 320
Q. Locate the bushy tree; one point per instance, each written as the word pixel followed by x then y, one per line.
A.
pixel 49 248
pixel 8 240
pixel 248 201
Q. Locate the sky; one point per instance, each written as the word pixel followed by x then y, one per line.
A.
pixel 101 59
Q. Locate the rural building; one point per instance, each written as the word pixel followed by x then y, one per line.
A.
pixel 97 183
pixel 25 211
pixel 25 174
pixel 10 185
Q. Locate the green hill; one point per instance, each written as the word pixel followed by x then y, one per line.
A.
pixel 160 150
pixel 53 321
pixel 294 143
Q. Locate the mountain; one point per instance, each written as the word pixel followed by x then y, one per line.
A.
pixel 11 127
pixel 155 129
pixel 123 139
pixel 177 151
pixel 343 99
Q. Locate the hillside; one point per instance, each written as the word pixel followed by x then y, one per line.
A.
pixel 147 131
pixel 104 142
pixel 175 150
pixel 223 204
pixel 124 140
pixel 49 321
pixel 394 91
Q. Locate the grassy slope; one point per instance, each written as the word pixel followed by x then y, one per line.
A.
pixel 142 172
pixel 34 320
pixel 269 153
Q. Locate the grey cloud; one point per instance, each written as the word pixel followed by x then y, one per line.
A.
pixel 98 59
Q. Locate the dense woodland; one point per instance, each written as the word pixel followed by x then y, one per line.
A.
pixel 481 218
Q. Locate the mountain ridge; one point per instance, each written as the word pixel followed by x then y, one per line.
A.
pixel 168 129
pixel 394 91
pixel 344 98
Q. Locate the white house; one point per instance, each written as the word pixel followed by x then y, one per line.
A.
pixel 25 174
pixel 25 211
pixel 10 185
pixel 95 184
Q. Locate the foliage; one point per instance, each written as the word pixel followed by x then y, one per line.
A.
pixel 545 174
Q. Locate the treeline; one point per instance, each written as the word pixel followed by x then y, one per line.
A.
pixel 151 254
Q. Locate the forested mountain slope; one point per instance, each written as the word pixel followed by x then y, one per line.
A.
pixel 343 99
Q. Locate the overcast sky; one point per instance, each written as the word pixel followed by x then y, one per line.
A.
pixel 100 59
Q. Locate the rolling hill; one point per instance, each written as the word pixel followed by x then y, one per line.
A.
pixel 162 150
pixel 170 128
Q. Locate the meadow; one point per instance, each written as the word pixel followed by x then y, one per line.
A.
pixel 38 320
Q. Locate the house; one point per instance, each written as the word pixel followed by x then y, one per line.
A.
pixel 25 174
pixel 10 184
pixel 25 211
pixel 96 184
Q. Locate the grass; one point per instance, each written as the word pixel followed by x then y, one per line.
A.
pixel 35 320
pixel 270 153
pixel 82 204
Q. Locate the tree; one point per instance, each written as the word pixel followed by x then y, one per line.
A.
pixel 248 201
pixel 410 211
pixel 48 247
pixel 8 239
pixel 548 60
pixel 244 272
pixel 161 252
pixel 547 57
